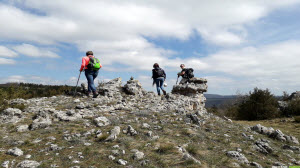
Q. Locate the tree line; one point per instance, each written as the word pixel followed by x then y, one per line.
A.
pixel 258 104
pixel 29 90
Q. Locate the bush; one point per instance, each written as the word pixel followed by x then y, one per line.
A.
pixel 258 105
pixel 293 107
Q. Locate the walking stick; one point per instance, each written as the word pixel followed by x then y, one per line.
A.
pixel 177 79
pixel 77 83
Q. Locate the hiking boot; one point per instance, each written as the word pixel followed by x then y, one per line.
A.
pixel 158 94
pixel 165 93
pixel 95 94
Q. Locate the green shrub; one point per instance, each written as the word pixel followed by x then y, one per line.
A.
pixel 258 105
pixel 293 107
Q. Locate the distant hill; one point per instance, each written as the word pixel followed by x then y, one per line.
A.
pixel 217 100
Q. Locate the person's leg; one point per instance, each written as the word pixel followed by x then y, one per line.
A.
pixel 157 86
pixel 95 74
pixel 162 85
pixel 89 78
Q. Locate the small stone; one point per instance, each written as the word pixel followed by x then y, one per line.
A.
pixel 116 146
pixel 27 156
pixel 22 128
pixel 5 164
pixel 115 152
pixel 255 165
pixel 87 144
pixel 131 131
pixel 155 137
pixel 76 161
pixel 28 164
pixel 149 133
pixel 15 152
pixel 237 156
pixel 101 121
pixel 111 157
pixel 76 101
pixel 138 155
pixel 146 126
pixel 122 162
pixel 80 106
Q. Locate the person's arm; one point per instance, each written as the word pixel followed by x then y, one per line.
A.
pixel 153 74
pixel 181 73
pixel 165 76
pixel 82 64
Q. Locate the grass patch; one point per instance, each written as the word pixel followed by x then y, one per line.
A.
pixel 102 137
pixel 192 149
pixel 297 119
pixel 166 148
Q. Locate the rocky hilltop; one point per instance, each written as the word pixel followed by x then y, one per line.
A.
pixel 127 126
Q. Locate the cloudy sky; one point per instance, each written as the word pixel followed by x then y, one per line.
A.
pixel 236 44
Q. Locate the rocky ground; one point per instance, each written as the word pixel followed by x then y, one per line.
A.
pixel 129 127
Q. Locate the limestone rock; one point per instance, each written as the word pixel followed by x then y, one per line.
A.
pixel 110 88
pixel 101 121
pixel 28 164
pixel 113 134
pixel 22 128
pixel 196 85
pixel 15 152
pixel 12 112
pixel 237 156
pixel 5 164
pixel 122 162
pixel 263 147
pixel 138 155
pixel 131 131
pixel 133 87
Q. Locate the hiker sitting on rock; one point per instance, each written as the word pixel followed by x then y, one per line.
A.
pixel 91 65
pixel 186 74
pixel 159 76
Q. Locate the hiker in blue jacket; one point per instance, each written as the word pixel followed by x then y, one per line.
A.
pixel 159 76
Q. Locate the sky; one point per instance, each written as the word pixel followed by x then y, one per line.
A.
pixel 236 45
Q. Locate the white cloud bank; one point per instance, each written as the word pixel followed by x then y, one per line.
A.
pixel 5 52
pixel 116 30
pixel 6 61
pixel 33 51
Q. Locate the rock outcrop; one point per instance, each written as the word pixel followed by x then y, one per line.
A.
pixel 129 126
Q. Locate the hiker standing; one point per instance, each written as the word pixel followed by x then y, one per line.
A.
pixel 186 74
pixel 91 66
pixel 159 76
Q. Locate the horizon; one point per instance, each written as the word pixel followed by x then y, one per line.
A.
pixel 236 46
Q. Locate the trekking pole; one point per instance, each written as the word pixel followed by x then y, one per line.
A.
pixel 77 83
pixel 177 79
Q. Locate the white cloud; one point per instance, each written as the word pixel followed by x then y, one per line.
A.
pixel 7 61
pixel 123 25
pixel 33 51
pixel 5 52
pixel 116 30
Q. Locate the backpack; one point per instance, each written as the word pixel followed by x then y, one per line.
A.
pixel 160 72
pixel 94 64
pixel 189 73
